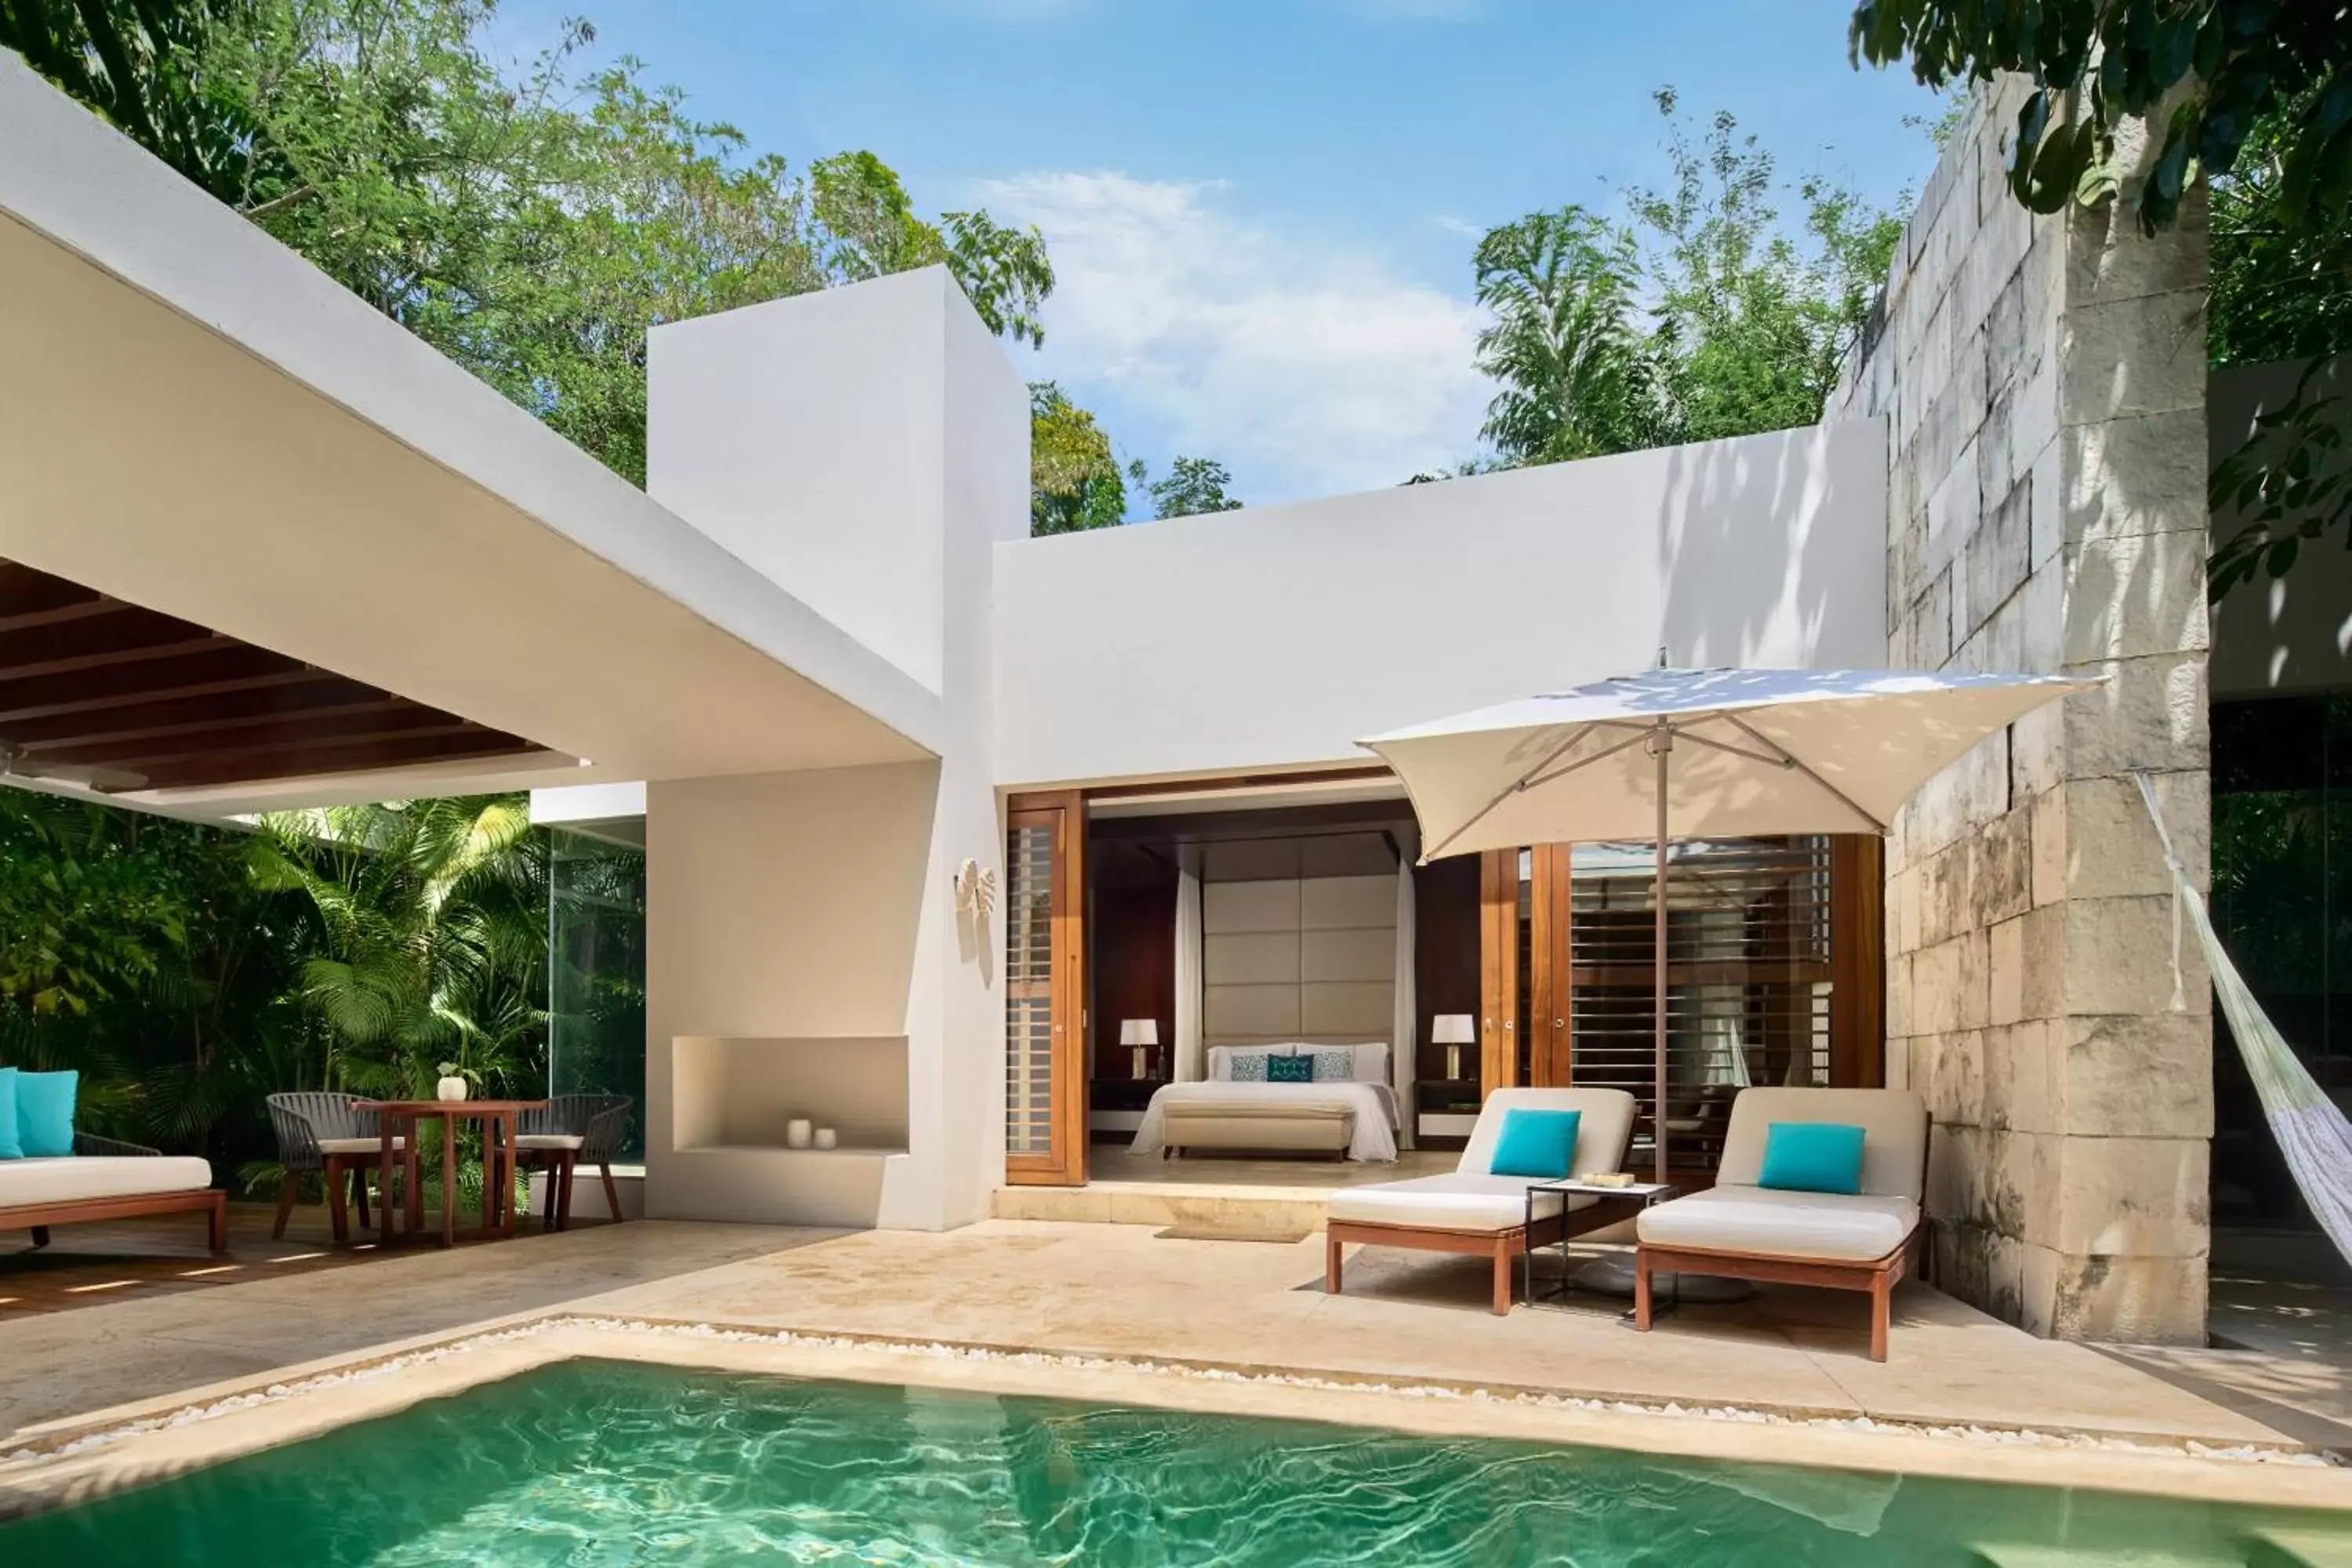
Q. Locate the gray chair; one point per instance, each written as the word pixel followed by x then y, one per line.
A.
pixel 326 1134
pixel 571 1130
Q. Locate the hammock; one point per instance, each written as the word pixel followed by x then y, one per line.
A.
pixel 2312 1133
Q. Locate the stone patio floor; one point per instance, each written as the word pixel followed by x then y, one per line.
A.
pixel 1113 1290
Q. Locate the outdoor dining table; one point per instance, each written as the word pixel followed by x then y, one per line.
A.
pixel 396 1119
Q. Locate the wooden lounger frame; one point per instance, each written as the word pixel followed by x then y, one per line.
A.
pixel 1505 1247
pixel 1878 1276
pixel 38 1218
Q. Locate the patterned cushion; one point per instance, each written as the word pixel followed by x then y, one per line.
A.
pixel 1249 1066
pixel 1290 1069
pixel 1335 1064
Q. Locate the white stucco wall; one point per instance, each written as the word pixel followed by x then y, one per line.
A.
pixel 1278 635
pixel 802 435
pixel 805 956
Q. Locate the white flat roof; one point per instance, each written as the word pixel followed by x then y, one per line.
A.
pixel 195 419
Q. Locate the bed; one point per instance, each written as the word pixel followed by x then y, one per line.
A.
pixel 1235 1111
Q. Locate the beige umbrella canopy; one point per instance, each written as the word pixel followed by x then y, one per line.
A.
pixel 1700 752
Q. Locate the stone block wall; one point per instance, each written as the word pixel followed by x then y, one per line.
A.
pixel 2044 379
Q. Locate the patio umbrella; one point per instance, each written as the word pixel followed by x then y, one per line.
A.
pixel 1716 753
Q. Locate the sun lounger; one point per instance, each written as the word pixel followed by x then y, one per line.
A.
pixel 1474 1211
pixel 1858 1241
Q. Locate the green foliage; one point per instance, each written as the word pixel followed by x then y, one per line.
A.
pixel 1193 486
pixel 1074 481
pixel 81 920
pixel 1702 316
pixel 2281 290
pixel 134 62
pixel 2201 74
pixel 1565 343
pixel 532 224
pixel 430 959
pixel 1751 323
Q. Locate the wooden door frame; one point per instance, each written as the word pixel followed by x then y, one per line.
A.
pixel 1858 960
pixel 1549 980
pixel 1499 971
pixel 1065 1166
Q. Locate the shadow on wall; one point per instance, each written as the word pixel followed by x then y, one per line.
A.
pixel 1717 563
pixel 2293 633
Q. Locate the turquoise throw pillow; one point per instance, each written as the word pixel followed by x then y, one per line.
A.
pixel 45 1112
pixel 1538 1143
pixel 9 1148
pixel 1813 1157
pixel 1290 1069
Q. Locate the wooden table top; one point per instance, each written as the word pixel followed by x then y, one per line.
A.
pixel 449 1107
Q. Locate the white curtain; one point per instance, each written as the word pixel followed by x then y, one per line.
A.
pixel 1405 1033
pixel 2311 1131
pixel 1191 1061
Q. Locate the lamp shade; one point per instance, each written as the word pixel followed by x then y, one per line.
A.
pixel 1139 1032
pixel 1454 1030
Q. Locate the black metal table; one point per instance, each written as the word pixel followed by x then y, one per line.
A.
pixel 1645 1194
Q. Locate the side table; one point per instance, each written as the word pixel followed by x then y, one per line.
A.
pixel 1641 1194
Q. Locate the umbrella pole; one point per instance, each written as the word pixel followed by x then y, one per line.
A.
pixel 1661 743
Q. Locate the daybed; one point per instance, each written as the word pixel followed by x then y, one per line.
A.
pixel 1858 1241
pixel 104 1179
pixel 1473 1210
pixel 1354 1118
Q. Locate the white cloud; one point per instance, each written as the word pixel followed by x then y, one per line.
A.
pixel 1307 368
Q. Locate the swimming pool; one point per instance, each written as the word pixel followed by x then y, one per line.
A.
pixel 590 1462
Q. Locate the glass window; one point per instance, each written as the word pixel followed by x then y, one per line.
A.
pixel 596 967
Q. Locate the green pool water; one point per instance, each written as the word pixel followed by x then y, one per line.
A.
pixel 608 1463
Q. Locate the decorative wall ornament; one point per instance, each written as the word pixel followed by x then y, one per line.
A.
pixel 975 890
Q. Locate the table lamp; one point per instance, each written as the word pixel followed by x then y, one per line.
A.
pixel 1454 1031
pixel 1139 1035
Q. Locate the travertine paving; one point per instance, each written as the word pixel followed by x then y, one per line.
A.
pixel 1081 1290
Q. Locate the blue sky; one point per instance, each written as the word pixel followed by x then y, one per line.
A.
pixel 1262 212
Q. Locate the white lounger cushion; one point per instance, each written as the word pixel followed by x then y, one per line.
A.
pixel 1456 1201
pixel 357 1145
pixel 1854 1228
pixel 75 1178
pixel 549 1141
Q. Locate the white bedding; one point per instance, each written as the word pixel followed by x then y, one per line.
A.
pixel 1374 1104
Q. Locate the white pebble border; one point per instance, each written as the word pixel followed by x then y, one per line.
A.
pixel 934 1350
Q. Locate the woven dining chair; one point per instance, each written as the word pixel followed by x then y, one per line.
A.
pixel 571 1130
pixel 319 1134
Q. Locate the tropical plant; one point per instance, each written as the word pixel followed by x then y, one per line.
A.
pixel 1751 321
pixel 1193 486
pixel 2200 76
pixel 431 937
pixel 1075 480
pixel 1702 316
pixel 1564 341
pixel 529 224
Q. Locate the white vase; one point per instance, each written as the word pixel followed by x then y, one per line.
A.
pixel 796 1133
pixel 826 1138
pixel 450 1089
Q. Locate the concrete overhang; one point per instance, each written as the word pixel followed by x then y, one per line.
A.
pixel 194 420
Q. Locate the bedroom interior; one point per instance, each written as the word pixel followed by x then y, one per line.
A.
pixel 1216 931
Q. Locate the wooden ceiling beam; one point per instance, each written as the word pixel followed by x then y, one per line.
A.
pixel 374 723
pixel 72 645
pixel 315 693
pixel 25 592
pixel 234 668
